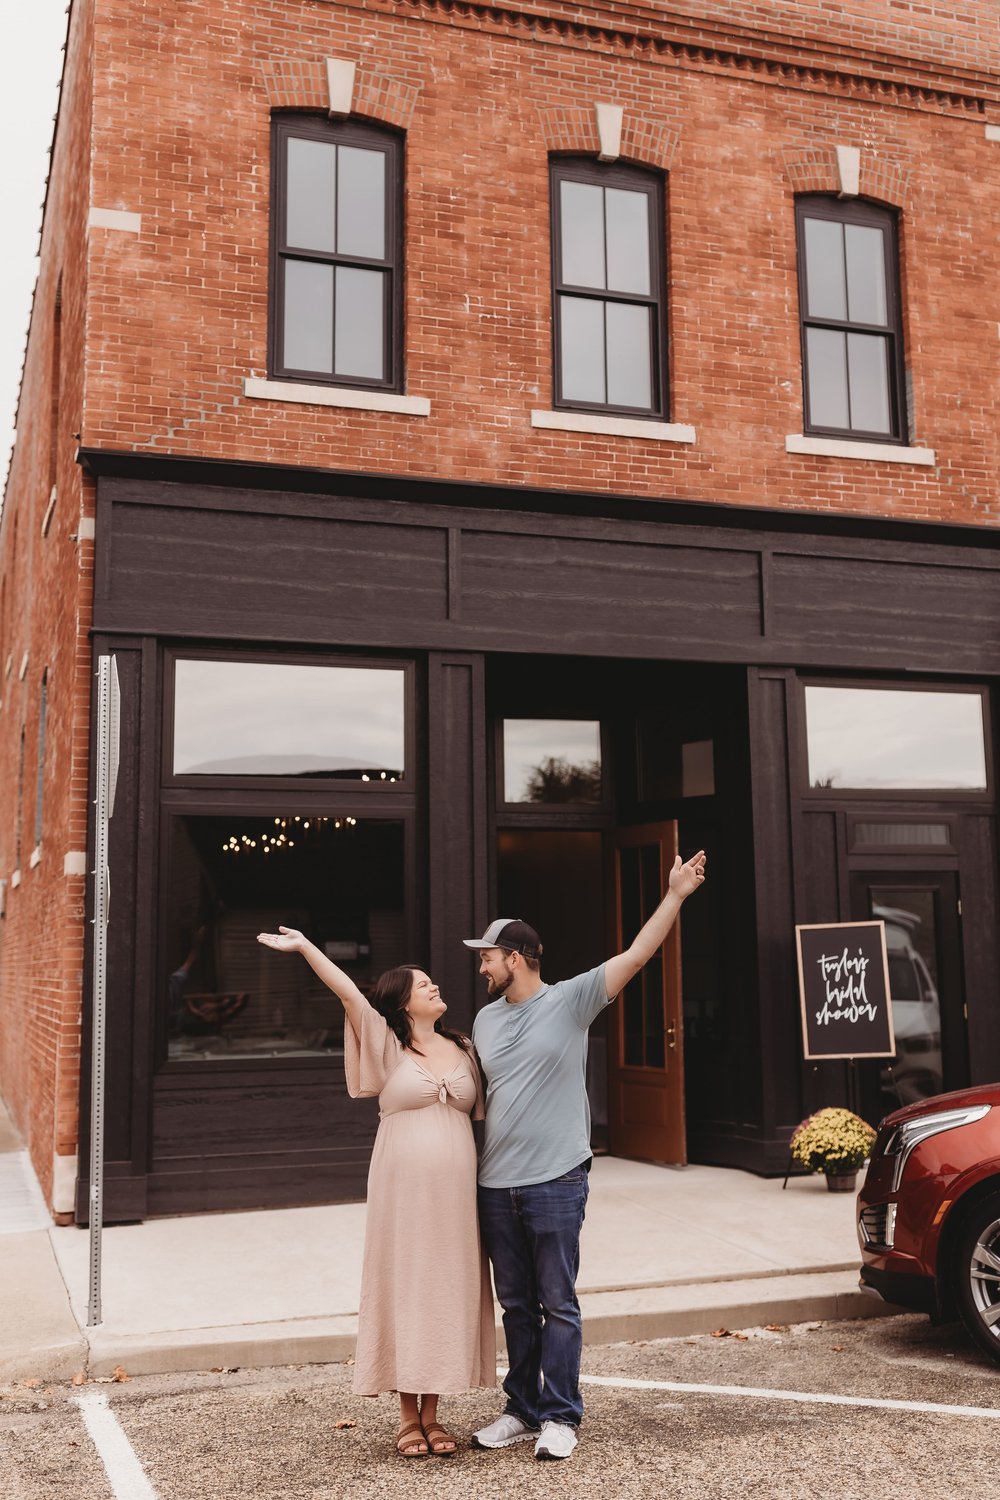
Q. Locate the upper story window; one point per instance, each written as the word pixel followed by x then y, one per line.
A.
pixel 849 305
pixel 336 253
pixel 608 288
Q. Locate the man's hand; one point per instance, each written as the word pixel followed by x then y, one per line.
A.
pixel 285 940
pixel 685 878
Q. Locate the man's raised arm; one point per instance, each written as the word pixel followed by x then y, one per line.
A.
pixel 684 878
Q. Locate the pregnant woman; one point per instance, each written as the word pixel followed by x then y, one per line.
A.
pixel 425 1326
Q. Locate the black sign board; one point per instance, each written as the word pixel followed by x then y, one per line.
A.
pixel 844 990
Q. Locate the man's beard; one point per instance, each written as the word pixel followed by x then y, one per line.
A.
pixel 497 987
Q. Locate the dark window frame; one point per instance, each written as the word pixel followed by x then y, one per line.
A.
pixel 311 802
pixel 926 796
pixel 397 791
pixel 633 178
pixel 871 216
pixel 552 814
pixel 347 133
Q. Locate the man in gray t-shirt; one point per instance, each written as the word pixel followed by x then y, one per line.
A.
pixel 532 1044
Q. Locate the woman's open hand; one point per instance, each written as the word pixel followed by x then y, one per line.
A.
pixel 285 940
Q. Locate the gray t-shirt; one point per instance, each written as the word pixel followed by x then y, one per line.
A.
pixel 534 1055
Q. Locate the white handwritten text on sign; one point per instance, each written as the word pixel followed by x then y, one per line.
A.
pixel 844 990
pixel 844 982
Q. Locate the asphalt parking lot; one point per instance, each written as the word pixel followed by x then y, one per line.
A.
pixel 788 1414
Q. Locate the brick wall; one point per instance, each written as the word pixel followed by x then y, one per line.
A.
pixel 178 311
pixel 44 617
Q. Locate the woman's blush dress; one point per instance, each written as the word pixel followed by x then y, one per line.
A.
pixel 426 1314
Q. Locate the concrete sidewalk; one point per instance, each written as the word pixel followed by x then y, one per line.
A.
pixel 665 1252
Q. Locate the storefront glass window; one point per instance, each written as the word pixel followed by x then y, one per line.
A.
pixel 340 880
pixel 552 760
pixel 895 739
pixel 240 718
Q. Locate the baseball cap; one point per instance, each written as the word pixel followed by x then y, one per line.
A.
pixel 510 933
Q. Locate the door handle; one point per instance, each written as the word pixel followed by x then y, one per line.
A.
pixel 672 1037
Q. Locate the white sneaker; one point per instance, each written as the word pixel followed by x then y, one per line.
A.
pixel 558 1440
pixel 505 1432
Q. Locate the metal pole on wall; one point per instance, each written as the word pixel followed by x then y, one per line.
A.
pixel 108 698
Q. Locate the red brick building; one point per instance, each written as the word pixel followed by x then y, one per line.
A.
pixel 496 441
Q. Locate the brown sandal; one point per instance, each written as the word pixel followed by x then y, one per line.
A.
pixel 410 1437
pixel 437 1436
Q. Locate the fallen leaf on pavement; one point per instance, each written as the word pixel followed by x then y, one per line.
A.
pixel 776 1327
pixel 344 1423
pixel 721 1333
pixel 742 1337
pixel 31 1383
pixel 837 1348
pixel 79 1378
pixel 119 1374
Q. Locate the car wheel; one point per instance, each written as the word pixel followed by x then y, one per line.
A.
pixel 977 1274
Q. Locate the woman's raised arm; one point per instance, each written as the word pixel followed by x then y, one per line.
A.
pixel 288 940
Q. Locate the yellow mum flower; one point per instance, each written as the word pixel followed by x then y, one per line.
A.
pixel 832 1141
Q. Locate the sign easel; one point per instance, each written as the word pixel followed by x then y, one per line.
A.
pixel 844 995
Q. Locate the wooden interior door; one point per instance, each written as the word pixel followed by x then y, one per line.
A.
pixel 645 1031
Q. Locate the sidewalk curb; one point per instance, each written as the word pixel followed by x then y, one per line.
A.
pixel 683 1311
pixel 609 1317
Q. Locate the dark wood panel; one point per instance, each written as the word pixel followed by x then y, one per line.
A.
pixel 125 1199
pixel 725 1144
pixel 772 845
pixel 362 566
pixel 613 594
pixel 981 945
pixel 456 826
pixel 284 1184
pixel 172 567
pixel 205 1121
pixel 818 885
pixel 909 614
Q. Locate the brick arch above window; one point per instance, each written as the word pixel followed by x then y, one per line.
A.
pixel 302 83
pixel 572 129
pixel 817 169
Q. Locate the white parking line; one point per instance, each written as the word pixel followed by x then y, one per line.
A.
pixel 808 1398
pixel 124 1471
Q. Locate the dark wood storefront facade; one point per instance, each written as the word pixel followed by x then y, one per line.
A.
pixel 665 622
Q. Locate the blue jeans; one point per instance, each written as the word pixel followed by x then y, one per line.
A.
pixel 532 1236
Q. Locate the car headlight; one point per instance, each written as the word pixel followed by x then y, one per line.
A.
pixel 908 1135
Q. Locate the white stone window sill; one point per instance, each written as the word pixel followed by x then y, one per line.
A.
pixel 335 395
pixel 581 421
pixel 884 453
pixel 15 879
pixel 35 858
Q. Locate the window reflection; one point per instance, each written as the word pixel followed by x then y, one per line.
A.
pixel 870 738
pixel 338 879
pixel 552 760
pixel 281 719
pixel 911 946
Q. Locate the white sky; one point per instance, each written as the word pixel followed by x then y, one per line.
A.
pixel 31 38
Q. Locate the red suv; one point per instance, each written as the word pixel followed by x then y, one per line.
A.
pixel 929 1211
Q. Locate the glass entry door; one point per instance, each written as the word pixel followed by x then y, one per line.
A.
pixel 645 1030
pixel 923 940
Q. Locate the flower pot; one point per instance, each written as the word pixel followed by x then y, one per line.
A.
pixel 841 1182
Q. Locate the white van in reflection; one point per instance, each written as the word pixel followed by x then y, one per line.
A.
pixel 916 1072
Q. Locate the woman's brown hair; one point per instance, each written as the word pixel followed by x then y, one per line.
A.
pixel 392 991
